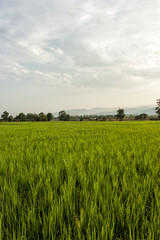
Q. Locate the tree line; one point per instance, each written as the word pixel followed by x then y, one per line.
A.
pixel 21 117
pixel 63 116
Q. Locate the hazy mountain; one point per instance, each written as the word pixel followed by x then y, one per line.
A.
pixel 150 110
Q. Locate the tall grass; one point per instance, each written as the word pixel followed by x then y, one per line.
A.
pixel 80 180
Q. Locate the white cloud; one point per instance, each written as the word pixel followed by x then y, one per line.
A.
pixel 96 44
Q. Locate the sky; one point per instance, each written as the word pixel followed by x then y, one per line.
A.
pixel 69 54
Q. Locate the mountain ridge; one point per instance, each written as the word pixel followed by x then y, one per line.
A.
pixel 150 110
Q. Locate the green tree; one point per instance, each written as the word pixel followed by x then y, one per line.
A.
pixel 158 108
pixel 42 117
pixel 10 118
pixel 120 114
pixel 22 117
pixel 35 117
pixel 5 116
pixel 63 116
pixel 32 117
pixel 49 116
pixel 142 116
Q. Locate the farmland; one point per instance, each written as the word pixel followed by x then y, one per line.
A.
pixel 80 180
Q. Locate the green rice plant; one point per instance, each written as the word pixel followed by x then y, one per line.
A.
pixel 80 180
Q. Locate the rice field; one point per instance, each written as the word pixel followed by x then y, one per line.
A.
pixel 80 181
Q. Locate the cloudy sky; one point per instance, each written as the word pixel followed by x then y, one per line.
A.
pixel 65 54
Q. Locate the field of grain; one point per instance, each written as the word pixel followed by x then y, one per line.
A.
pixel 80 180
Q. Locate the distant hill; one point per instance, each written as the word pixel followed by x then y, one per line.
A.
pixel 150 110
